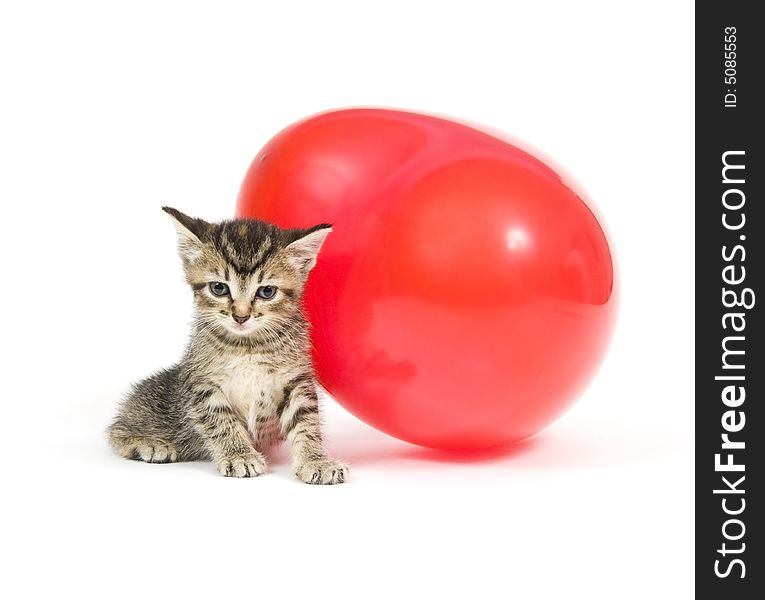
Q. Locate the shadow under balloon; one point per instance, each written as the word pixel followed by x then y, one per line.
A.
pixel 375 449
pixel 557 449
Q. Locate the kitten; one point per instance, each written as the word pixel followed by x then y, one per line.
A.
pixel 246 378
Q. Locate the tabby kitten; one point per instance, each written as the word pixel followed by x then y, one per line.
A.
pixel 246 379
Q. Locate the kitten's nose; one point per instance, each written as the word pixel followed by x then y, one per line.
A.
pixel 242 319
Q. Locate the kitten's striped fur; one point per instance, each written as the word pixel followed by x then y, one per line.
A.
pixel 239 387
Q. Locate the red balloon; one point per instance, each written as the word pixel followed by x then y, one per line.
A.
pixel 466 294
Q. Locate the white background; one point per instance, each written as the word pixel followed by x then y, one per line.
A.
pixel 109 111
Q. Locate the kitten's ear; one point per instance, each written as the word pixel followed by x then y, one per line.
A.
pixel 302 252
pixel 191 233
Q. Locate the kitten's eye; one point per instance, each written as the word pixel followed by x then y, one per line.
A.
pixel 266 292
pixel 218 288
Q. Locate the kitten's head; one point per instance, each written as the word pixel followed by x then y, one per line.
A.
pixel 247 275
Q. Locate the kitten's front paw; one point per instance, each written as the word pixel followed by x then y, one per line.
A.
pixel 242 466
pixel 325 471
